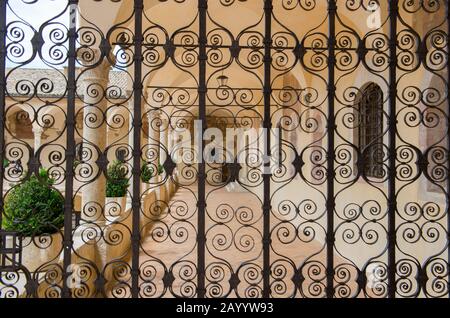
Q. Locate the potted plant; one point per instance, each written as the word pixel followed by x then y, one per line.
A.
pixel 160 169
pixel 146 174
pixel 76 163
pixel 116 189
pixel 35 211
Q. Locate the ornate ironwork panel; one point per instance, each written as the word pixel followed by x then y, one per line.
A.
pixel 224 148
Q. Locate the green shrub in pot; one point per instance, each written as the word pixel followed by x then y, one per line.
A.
pixel 160 169
pixel 117 181
pixel 146 173
pixel 33 207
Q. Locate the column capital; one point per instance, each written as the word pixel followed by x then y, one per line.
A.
pixel 154 114
pixel 99 73
pixel 130 101
pixel 37 130
pixel 130 92
pixel 94 68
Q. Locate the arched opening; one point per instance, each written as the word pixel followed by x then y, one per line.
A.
pixel 370 130
pixel 21 126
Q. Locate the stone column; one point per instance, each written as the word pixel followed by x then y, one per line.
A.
pixel 154 127
pixel 174 143
pixel 95 82
pixel 170 139
pixel 171 152
pixel 130 140
pixel 177 150
pixel 163 150
pixel 37 131
pixel 163 140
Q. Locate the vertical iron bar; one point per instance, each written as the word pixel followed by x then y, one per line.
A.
pixel 70 140
pixel 331 126
pixel 3 5
pixel 392 198
pixel 268 8
pixel 202 89
pixel 448 143
pixel 137 124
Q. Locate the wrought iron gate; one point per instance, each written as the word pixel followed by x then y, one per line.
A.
pixel 104 195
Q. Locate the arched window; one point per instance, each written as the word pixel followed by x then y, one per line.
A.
pixel 370 134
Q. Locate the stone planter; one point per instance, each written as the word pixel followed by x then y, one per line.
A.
pixel 173 188
pixel 235 187
pixel 168 187
pixel 145 187
pixel 39 251
pixel 115 208
pixel 162 195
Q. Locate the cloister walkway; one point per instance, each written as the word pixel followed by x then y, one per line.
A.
pixel 234 251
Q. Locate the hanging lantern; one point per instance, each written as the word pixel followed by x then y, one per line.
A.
pixel 222 80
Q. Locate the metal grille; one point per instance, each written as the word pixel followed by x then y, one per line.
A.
pixel 107 88
pixel 371 130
